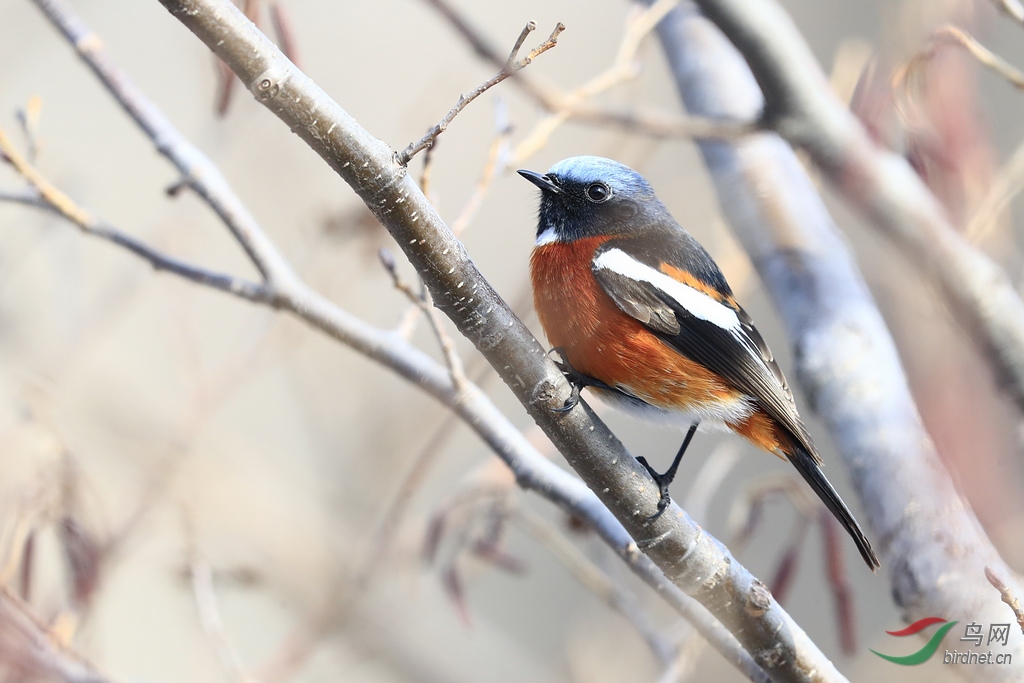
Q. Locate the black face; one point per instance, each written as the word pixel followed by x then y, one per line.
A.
pixel 572 207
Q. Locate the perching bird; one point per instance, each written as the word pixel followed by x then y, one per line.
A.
pixel 643 316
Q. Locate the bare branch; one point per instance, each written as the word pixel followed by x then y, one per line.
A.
pixel 592 577
pixel 1006 595
pixel 952 35
pixel 47 196
pixel 209 614
pixel 510 68
pixel 1011 8
pixel 658 125
pixel 28 650
pixel 422 301
pixel 202 175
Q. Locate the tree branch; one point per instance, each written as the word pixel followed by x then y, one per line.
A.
pixel 930 541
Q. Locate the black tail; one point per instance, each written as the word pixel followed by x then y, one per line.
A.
pixel 810 470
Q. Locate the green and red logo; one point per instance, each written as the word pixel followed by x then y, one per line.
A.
pixel 930 647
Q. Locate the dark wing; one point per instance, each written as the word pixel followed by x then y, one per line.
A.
pixel 714 332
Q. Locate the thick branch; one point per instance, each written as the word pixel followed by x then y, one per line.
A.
pixel 694 561
pixel 931 543
pixel 800 105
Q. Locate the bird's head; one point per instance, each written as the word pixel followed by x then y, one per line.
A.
pixel 589 196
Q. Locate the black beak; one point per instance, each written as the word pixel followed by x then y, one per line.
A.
pixel 542 181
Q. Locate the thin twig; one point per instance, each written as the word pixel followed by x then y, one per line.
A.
pixel 422 301
pixel 552 100
pixel 1007 184
pixel 204 177
pixel 599 582
pixel 493 167
pixel 953 35
pixel 510 68
pixel 201 577
pixel 1006 595
pixel 284 31
pixel 27 644
pixel 50 197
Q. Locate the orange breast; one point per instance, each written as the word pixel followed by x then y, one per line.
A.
pixel 603 342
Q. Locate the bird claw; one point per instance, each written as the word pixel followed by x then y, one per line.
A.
pixel 663 481
pixel 571 402
pixel 575 378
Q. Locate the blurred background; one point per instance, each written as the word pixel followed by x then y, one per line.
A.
pixel 194 487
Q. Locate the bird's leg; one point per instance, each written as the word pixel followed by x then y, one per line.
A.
pixel 577 379
pixel 663 480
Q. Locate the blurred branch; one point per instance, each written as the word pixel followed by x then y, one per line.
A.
pixel 1006 185
pixel 511 66
pixel 1011 8
pixel 1006 595
pixel 696 563
pixel 200 174
pixel 930 541
pixel 201 577
pixel 573 106
pixel 800 106
pixel 597 581
pixel 952 35
pixel 49 197
pixel 28 651
pixel 422 301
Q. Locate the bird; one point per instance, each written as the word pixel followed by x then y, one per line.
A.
pixel 642 316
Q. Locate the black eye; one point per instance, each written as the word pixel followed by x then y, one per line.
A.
pixel 598 192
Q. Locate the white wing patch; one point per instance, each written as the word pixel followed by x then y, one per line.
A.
pixel 699 304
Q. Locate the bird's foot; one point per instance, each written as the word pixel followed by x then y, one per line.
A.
pixel 575 378
pixel 663 481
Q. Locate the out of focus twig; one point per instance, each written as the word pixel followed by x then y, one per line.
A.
pixel 952 35
pixel 28 650
pixel 572 106
pixel 422 301
pixel 1011 8
pixel 1006 595
pixel 616 596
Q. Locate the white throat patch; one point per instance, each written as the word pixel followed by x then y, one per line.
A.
pixel 548 236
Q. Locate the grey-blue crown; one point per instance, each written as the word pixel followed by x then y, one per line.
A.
pixel 591 169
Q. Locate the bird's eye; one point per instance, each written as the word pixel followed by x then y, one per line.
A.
pixel 598 192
